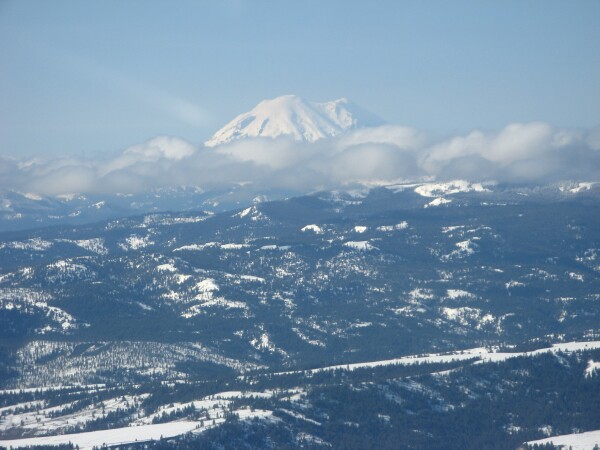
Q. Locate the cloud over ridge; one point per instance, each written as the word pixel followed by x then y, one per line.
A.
pixel 521 152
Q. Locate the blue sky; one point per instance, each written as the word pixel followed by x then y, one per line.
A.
pixel 83 77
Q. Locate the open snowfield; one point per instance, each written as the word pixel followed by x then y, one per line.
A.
pixel 110 437
pixel 578 441
pixel 53 388
pixel 52 421
pixel 141 433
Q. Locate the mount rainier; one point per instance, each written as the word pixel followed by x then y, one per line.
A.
pixel 292 116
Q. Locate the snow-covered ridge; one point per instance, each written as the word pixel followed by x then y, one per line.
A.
pixel 68 369
pixel 576 188
pixel 291 116
pixel 481 354
pixel 26 299
pixel 34 244
pixel 219 245
pixel 451 187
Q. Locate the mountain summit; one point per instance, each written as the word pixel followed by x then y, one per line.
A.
pixel 290 115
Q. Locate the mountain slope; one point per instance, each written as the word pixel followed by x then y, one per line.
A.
pixel 329 277
pixel 379 319
pixel 290 115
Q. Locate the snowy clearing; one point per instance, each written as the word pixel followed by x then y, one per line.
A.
pixel 360 245
pixel 141 433
pixel 577 441
pixel 458 293
pixel 110 437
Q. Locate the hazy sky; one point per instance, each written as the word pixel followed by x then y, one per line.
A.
pixel 82 77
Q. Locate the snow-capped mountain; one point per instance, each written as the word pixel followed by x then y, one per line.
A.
pixel 292 116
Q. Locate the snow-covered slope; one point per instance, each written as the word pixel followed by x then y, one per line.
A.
pixel 576 441
pixel 290 115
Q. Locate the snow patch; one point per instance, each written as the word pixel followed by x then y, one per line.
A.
pixel 252 212
pixel 464 248
pixel 312 227
pixel 458 293
pixel 451 228
pixel 466 316
pixel 592 369
pixel 360 245
pixel 420 294
pixel 135 242
pixel 512 284
pixel 207 285
pixel 211 302
pixel 276 247
pixel 399 226
pixel 252 278
pixel 576 276
pixel 452 187
pixel 263 343
pixel 199 247
pixel 233 246
pixel 244 213
pixel 438 202
pixel 579 187
pixel 94 245
pixel 64 271
pixel 166 268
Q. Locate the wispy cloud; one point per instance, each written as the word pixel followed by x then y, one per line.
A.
pixel 124 83
pixel 521 152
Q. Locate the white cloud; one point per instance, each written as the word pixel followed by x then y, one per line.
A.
pixel 365 162
pixel 274 153
pixel 523 152
pixel 402 137
pixel 519 152
pixel 593 138
pixel 160 148
pixel 519 141
pixel 131 86
pixel 65 179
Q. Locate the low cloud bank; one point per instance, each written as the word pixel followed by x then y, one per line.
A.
pixel 521 152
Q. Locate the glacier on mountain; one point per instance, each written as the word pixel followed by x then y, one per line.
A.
pixel 291 116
